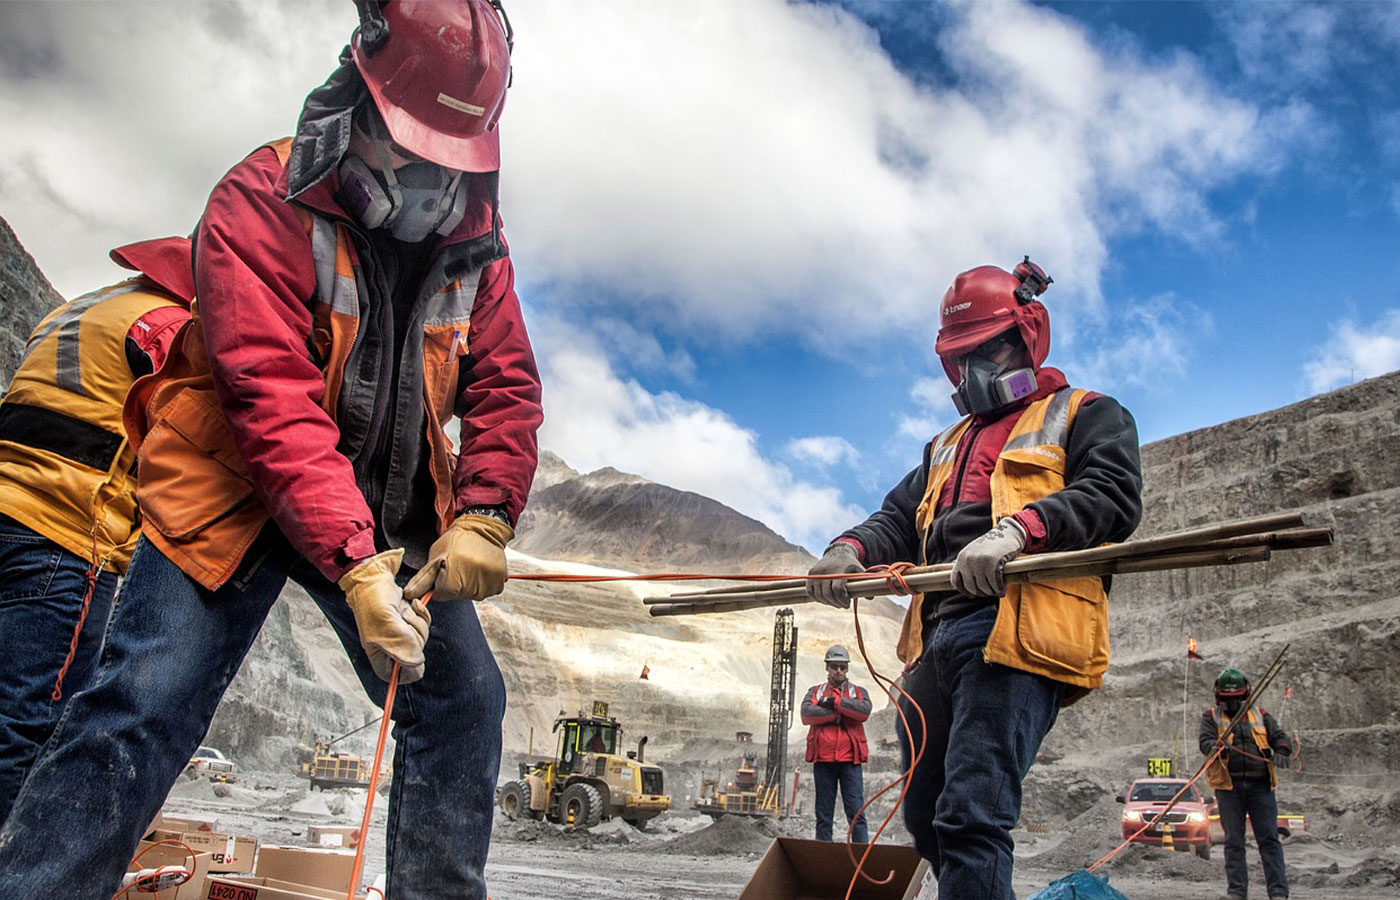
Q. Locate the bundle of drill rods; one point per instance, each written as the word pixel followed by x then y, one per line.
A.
pixel 1229 543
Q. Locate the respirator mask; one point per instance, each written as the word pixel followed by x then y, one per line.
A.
pixel 385 186
pixel 988 380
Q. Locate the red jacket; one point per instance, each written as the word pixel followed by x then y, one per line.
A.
pixel 836 734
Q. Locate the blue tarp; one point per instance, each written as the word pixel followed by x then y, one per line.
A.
pixel 1079 886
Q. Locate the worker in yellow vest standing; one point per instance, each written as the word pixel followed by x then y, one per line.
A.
pixel 1244 777
pixel 1033 465
pixel 68 518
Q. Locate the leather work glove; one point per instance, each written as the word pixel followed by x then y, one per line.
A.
pixel 828 702
pixel 467 563
pixel 977 571
pixel 391 629
pixel 838 559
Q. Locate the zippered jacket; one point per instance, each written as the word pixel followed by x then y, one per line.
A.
pixel 65 464
pixel 291 397
pixel 836 734
pixel 1065 463
pixel 1256 733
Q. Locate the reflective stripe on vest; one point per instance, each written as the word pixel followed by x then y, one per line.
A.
pixel 1217 773
pixel 64 461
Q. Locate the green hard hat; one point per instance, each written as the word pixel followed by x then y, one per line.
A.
pixel 1231 683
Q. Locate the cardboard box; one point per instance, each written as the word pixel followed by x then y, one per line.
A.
pixel 228 852
pixel 228 887
pixel 170 855
pixel 187 823
pixel 315 866
pixel 797 869
pixel 333 835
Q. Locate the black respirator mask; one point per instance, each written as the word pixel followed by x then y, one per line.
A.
pixel 412 200
pixel 988 385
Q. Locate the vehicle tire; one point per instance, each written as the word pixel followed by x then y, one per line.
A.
pixel 1203 850
pixel 515 799
pixel 581 806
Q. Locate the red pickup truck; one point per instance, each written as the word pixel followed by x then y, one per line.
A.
pixel 1183 827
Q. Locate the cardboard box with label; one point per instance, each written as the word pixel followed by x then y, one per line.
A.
pixel 798 869
pixel 228 887
pixel 320 867
pixel 153 856
pixel 333 835
pixel 228 852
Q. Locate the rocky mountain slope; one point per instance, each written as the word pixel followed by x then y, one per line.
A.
pixel 25 297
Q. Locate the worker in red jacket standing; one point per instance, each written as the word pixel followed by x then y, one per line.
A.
pixel 355 297
pixel 834 712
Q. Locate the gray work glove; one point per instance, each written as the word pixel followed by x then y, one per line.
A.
pixel 977 571
pixel 839 558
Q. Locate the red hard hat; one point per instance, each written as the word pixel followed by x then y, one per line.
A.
pixel 982 303
pixel 439 79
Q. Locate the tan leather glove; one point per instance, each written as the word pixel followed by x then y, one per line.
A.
pixel 391 629
pixel 467 563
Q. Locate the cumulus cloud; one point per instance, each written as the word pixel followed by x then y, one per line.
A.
pixel 1147 345
pixel 1355 351
pixel 597 417
pixel 826 450
pixel 933 409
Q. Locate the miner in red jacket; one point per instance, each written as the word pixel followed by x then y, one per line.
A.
pixel 354 295
pixel 834 712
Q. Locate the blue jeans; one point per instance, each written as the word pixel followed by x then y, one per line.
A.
pixel 985 725
pixel 826 777
pixel 171 650
pixel 41 599
pixel 1252 797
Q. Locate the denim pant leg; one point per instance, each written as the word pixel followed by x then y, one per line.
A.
pixel 1000 716
pixel 171 650
pixel 42 587
pixel 447 731
pixel 853 798
pixel 824 797
pixel 1233 808
pixel 1262 804
pixel 924 687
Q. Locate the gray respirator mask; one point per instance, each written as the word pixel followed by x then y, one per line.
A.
pixel 988 386
pixel 412 201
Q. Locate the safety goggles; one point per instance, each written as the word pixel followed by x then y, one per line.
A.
pixel 837 667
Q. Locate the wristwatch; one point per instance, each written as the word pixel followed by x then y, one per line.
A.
pixel 495 512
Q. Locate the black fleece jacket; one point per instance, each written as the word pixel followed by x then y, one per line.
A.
pixel 1101 501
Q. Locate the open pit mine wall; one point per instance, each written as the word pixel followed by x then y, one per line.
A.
pixel 1336 457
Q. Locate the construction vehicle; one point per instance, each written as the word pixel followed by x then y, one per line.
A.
pixel 330 769
pixel 587 781
pixel 746 795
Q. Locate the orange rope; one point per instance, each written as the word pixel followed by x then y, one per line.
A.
pixel 160 870
pixel 94 570
pixel 906 777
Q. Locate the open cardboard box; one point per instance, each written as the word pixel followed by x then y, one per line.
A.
pixel 154 856
pixel 187 822
pixel 228 852
pixel 799 869
pixel 229 887
pixel 316 866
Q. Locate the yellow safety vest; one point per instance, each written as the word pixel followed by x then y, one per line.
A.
pixel 1057 629
pixel 1217 773
pixel 65 466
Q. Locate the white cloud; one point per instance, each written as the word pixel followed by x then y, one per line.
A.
pixel 1148 345
pixel 933 409
pixel 825 450
pixel 596 418
pixel 1355 351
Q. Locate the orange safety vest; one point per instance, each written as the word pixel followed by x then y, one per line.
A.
pixel 1058 629
pixel 65 464
pixel 1217 773
pixel 195 492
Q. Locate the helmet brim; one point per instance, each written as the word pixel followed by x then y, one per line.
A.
pixel 478 153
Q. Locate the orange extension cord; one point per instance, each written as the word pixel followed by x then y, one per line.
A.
pixel 139 885
pixel 895 573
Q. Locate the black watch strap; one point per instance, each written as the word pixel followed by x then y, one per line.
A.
pixel 495 512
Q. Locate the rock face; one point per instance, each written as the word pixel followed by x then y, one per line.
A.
pixel 1336 457
pixel 612 518
pixel 25 297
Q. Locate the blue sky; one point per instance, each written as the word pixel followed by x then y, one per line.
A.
pixel 732 221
